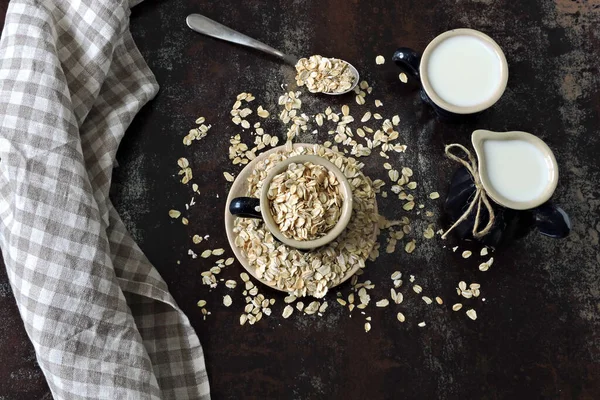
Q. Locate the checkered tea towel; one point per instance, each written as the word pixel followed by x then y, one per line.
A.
pixel 100 317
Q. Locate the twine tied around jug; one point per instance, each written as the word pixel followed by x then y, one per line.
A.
pixel 479 198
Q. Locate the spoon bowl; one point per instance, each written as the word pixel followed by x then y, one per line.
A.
pixel 356 80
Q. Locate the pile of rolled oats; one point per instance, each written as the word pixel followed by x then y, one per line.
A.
pixel 324 75
pixel 310 273
pixel 305 201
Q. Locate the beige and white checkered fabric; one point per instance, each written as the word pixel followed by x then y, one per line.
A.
pixel 100 317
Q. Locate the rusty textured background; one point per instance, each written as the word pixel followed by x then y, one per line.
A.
pixel 537 332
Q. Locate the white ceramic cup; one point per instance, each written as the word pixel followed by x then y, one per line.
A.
pixel 453 64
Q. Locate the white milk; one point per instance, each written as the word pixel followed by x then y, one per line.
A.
pixel 464 70
pixel 516 169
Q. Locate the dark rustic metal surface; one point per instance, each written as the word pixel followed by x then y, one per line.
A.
pixel 537 332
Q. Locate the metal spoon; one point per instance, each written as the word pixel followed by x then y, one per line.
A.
pixel 206 26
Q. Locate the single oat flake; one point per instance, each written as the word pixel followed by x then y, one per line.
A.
pixel 472 314
pixel 379 60
pixel 228 177
pixel 287 311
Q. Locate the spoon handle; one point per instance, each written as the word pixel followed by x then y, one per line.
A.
pixel 206 26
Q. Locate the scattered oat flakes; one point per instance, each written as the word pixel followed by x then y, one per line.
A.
pixel 472 314
pixel 227 300
pixel 367 326
pixel 201 303
pixel 323 307
pixel 422 324
pixel 400 317
pixel 231 284
pixel 429 233
pixel 312 308
pixel 456 307
pixel 378 103
pixel 439 300
pixel 410 246
pixel 289 299
pixel 261 112
pixel 174 213
pixel 379 60
pixel 409 206
pixel 466 254
pixel 417 289
pixel 206 253
pixel 486 265
pixel 382 303
pixel 403 78
pixel 484 252
pixel 228 177
pixel 434 195
pixel 196 239
pixel 287 311
pixel 427 300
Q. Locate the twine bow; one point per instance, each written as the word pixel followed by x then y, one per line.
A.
pixel 480 193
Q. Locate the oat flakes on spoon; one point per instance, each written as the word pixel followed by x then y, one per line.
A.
pixel 320 74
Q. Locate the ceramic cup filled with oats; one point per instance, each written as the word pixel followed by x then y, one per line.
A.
pixel 305 202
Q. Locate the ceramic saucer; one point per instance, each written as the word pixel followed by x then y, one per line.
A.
pixel 239 189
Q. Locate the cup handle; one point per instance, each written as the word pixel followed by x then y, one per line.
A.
pixel 551 220
pixel 245 207
pixel 408 59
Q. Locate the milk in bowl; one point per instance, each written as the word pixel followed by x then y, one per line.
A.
pixel 464 71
